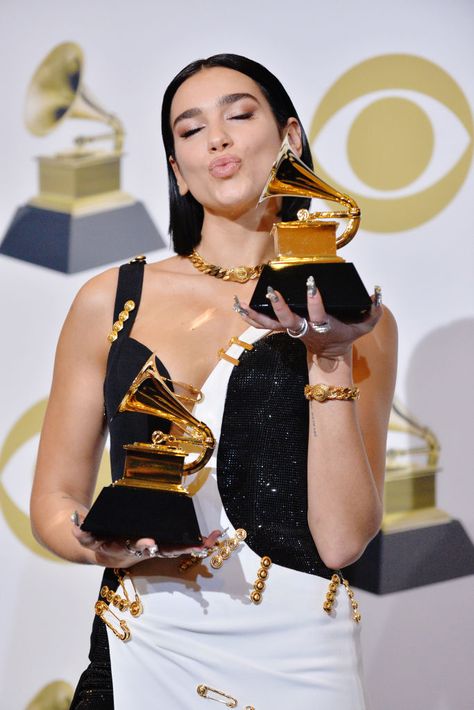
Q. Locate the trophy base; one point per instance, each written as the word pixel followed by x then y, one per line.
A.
pixel 127 512
pixel 413 558
pixel 343 292
pixel 70 243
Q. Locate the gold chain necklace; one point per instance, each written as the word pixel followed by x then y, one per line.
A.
pixel 240 274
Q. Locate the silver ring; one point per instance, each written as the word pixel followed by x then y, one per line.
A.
pixel 133 550
pixel 302 330
pixel 378 296
pixel 321 327
pixel 170 555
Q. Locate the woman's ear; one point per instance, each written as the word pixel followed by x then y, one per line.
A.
pixel 293 130
pixel 182 185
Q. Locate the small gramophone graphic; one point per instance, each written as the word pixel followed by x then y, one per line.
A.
pixel 150 499
pixel 419 543
pixel 81 218
pixel 308 246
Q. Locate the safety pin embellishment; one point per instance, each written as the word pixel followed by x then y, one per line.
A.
pixel 233 341
pixel 101 609
pixel 225 698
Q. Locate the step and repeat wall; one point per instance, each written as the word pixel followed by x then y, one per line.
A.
pixel 386 94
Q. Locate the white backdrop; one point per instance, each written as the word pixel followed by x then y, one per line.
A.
pixel 419 643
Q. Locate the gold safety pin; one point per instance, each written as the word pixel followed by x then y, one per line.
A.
pixel 203 691
pixel 233 341
pixel 101 609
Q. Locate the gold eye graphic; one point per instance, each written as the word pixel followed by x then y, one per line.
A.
pixel 397 132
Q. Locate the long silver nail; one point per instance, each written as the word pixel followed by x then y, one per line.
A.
pixel 75 519
pixel 237 307
pixel 271 295
pixel 378 296
pixel 311 286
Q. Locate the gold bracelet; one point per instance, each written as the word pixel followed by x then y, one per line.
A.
pixel 321 392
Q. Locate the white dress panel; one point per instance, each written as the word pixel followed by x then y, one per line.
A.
pixel 200 627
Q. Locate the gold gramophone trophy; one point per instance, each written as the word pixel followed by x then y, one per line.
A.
pixel 81 218
pixel 308 246
pixel 150 499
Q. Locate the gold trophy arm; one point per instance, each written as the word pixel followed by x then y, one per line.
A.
pixel 289 177
pixel 402 421
pixel 208 443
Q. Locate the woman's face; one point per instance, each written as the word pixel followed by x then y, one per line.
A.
pixel 226 140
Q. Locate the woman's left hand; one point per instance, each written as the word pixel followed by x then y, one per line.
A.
pixel 338 337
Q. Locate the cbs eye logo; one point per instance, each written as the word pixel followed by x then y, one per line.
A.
pixel 409 144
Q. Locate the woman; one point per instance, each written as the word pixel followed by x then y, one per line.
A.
pixel 303 482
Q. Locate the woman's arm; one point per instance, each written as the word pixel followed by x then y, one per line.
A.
pixel 73 437
pixel 346 448
pixel 73 433
pixel 347 444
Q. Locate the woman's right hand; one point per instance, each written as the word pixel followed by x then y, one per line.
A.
pixel 126 553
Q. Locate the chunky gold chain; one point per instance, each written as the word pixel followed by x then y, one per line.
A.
pixel 321 392
pixel 240 274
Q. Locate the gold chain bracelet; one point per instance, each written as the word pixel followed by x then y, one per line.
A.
pixel 320 392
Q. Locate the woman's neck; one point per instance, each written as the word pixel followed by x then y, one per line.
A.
pixel 232 242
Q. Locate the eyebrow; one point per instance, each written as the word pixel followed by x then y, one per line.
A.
pixel 222 101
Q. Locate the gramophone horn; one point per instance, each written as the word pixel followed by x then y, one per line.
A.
pixel 56 92
pixel 289 176
pixel 149 394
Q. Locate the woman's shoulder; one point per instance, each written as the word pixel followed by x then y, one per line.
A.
pixel 96 297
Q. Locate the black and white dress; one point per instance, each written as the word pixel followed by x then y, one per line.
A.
pixel 200 627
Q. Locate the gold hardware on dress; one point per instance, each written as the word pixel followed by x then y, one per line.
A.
pixel 122 317
pixel 140 259
pixel 101 609
pixel 225 698
pixel 123 603
pixel 336 580
pixel 240 274
pixel 226 547
pixel 221 353
pixel 259 584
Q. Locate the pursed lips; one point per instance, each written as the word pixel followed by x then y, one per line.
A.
pixel 224 166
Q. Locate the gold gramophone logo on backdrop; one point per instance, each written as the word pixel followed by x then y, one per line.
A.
pixel 81 218
pixel 419 543
pixel 409 139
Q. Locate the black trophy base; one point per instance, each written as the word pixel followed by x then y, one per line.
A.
pixel 71 243
pixel 127 512
pixel 413 558
pixel 342 290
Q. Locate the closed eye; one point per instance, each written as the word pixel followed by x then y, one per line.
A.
pixel 242 116
pixel 191 132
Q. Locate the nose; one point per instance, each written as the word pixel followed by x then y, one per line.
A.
pixel 219 139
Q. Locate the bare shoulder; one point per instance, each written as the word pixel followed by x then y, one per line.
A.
pixel 90 317
pixel 172 265
pixel 97 295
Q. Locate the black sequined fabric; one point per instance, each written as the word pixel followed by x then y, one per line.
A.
pixel 94 690
pixel 262 455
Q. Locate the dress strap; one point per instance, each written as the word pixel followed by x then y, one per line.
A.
pixel 127 299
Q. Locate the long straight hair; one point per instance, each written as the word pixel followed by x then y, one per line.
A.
pixel 186 213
